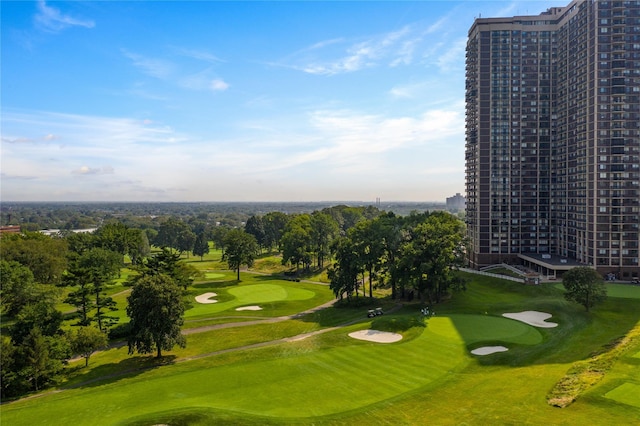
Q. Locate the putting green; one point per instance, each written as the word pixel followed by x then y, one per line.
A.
pixel 337 379
pixel 213 275
pixel 484 328
pixel 626 393
pixel 254 294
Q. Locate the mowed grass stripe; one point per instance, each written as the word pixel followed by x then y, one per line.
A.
pixel 320 383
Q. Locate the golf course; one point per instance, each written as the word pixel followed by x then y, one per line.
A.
pixel 271 351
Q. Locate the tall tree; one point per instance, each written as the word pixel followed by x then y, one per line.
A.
pixel 323 230
pixel 201 245
pixel 297 241
pixel 274 224
pixel 19 289
pixel 343 275
pixel 217 236
pixel 45 256
pixel 156 314
pixel 585 286
pixel 240 249
pixel 86 340
pixel 168 263
pixel 90 273
pixel 176 235
pixel 367 238
pixel 430 254
pixel 255 227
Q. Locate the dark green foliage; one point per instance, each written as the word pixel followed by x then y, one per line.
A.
pixel 240 249
pixel 274 224
pixel 44 256
pixel 176 235
pixel 19 289
pixel 584 286
pixel 86 340
pixel 156 314
pixel 201 245
pixel 89 273
pixel 297 241
pixel 255 227
pixel 168 263
pixel 344 274
pixel 323 231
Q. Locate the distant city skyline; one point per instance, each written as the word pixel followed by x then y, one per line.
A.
pixel 236 101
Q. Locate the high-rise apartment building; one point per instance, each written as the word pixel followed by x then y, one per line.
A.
pixel 553 138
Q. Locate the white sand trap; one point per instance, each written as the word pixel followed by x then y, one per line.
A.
pixel 206 298
pixel 488 350
pixel 534 318
pixel 376 336
pixel 249 308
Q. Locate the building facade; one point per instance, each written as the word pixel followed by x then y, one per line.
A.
pixel 553 138
pixel 456 203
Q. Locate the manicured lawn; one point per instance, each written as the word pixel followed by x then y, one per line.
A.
pixel 429 377
pixel 275 296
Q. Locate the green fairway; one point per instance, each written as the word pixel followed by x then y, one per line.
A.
pixel 336 379
pixel 627 393
pixel 429 377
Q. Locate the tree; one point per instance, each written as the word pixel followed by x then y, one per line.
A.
pixel 255 227
pixel 368 241
pixel 42 357
pixel 217 236
pixel 585 286
pixel 201 245
pixel 323 230
pixel 240 249
pixel 274 224
pixel 86 340
pixel 137 245
pixel 156 314
pixel 176 235
pixel 17 287
pixel 90 273
pixel 297 241
pixel 430 254
pixel 168 263
pixel 344 274
pixel 43 255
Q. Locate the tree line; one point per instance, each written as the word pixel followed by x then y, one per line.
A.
pixel 411 255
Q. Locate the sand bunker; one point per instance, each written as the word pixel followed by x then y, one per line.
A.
pixel 488 350
pixel 534 318
pixel 376 336
pixel 206 298
pixel 249 308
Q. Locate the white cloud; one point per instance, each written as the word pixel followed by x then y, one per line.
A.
pixel 158 68
pixel 200 55
pixel 218 85
pixel 86 170
pixel 395 47
pixel 50 19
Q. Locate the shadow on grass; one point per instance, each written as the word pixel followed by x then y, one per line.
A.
pixel 216 284
pixel 127 368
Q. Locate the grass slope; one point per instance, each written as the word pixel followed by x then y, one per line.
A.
pixel 427 378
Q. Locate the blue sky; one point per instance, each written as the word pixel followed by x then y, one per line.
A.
pixel 236 101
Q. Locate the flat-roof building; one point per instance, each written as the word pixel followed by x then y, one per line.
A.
pixel 553 137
